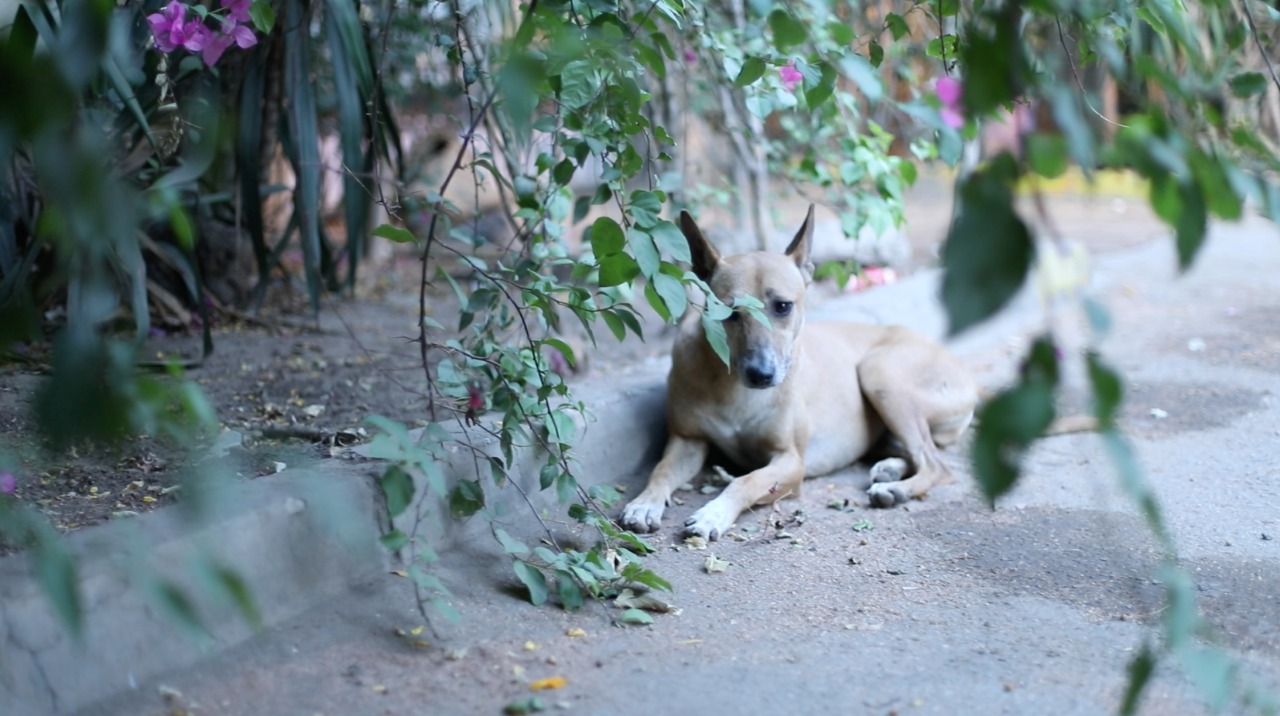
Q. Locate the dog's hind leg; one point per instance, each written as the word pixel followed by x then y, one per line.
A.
pixel 924 406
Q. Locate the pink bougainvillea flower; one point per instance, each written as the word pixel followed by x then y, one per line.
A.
pixel 196 36
pixel 950 91
pixel 690 56
pixel 791 77
pixel 164 23
pixel 213 49
pixel 243 36
pixel 237 10
pixel 952 117
pixel 8 483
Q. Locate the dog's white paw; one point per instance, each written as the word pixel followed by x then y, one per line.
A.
pixel 887 494
pixel 890 469
pixel 643 514
pixel 713 520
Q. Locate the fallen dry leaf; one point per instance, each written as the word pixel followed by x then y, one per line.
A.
pixel 714 564
pixel 554 682
pixel 575 633
pixel 696 542
pixel 531 646
pixel 628 599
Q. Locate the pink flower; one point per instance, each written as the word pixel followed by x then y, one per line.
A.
pixel 690 56
pixel 212 51
pixel 950 91
pixel 164 23
pixel 8 483
pixel 791 77
pixel 195 36
pixel 243 36
pixel 237 10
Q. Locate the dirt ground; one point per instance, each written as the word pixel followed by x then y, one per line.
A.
pixel 288 386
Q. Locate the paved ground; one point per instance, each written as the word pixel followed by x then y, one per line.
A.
pixel 942 607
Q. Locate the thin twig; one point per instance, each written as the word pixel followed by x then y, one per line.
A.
pixel 1085 95
pixel 1253 28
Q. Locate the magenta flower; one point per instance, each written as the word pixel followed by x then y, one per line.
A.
pixel 950 91
pixel 690 56
pixel 164 23
pixel 791 77
pixel 237 10
pixel 8 483
pixel 173 30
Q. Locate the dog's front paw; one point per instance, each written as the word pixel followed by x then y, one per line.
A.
pixel 643 514
pixel 713 520
pixel 890 469
pixel 887 494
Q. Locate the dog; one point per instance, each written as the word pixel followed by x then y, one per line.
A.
pixel 798 400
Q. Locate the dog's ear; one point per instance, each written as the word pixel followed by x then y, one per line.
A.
pixel 801 245
pixel 705 256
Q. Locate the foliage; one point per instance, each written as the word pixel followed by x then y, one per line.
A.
pixel 569 112
pixel 1202 156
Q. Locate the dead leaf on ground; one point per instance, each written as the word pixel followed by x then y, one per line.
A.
pixel 714 564
pixel 696 542
pixel 577 633
pixel 629 599
pixel 553 682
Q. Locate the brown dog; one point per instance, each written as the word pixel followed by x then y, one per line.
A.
pixel 798 401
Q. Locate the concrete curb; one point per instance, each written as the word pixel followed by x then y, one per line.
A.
pixel 279 533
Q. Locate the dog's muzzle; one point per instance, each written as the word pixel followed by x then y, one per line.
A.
pixel 760 371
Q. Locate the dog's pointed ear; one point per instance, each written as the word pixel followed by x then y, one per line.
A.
pixel 705 257
pixel 802 244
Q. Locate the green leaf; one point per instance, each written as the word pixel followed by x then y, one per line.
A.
pixel 1140 671
pixel 714 331
pixel 875 54
pixel 618 269
pixel 752 70
pixel 263 16
pixel 1212 671
pixel 988 249
pixel 570 593
pixel 533 580
pixel 787 31
pixel 897 25
pixel 395 233
pixel 841 32
pixel 606 237
pixel 615 324
pixel 56 572
pixel 1012 420
pixel 466 499
pixel 1248 84
pixel 655 300
pixel 859 69
pixel 671 241
pixel 1107 390
pixel 397 486
pixel 303 131
pixel 510 544
pixel 578 84
pixel 234 586
pixel 174 601
pixel 1189 229
pixel 645 252
pixel 1047 154
pixel 564 349
pixel 394 541
pixel 947 8
pixel 636 617
pixel 672 292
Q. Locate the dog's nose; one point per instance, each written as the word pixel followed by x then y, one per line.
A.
pixel 758 376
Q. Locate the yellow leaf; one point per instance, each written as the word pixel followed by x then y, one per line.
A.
pixel 379 689
pixel 531 646
pixel 575 633
pixel 555 682
pixel 420 643
pixel 416 630
pixel 148 499
pixel 399 572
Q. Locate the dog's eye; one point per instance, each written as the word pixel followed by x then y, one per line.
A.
pixel 782 308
